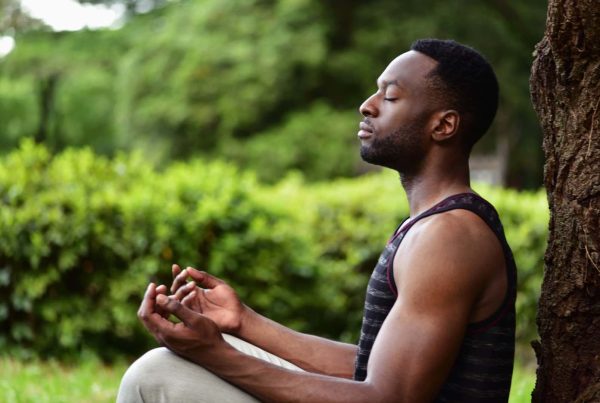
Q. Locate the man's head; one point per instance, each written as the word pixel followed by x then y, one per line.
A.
pixel 465 81
pixel 440 93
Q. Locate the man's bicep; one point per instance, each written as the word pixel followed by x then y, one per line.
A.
pixel 420 338
pixel 414 352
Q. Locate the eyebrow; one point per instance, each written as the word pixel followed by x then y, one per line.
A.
pixel 386 83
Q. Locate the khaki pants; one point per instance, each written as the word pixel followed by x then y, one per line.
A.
pixel 160 376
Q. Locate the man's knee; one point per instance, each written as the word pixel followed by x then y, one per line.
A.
pixel 160 376
pixel 145 377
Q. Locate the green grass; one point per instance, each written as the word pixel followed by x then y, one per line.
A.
pixel 92 382
pixel 53 382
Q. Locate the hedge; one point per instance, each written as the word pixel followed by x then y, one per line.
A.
pixel 81 235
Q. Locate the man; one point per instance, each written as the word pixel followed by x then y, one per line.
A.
pixel 439 313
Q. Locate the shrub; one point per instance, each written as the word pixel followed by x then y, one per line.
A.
pixel 81 235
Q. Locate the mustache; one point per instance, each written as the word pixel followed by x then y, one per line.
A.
pixel 367 122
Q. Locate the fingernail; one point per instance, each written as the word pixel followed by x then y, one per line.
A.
pixel 191 284
pixel 161 299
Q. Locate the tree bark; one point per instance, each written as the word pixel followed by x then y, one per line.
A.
pixel 565 89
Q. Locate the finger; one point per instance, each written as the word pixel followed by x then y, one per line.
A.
pixel 189 299
pixel 179 280
pixel 203 278
pixel 152 320
pixel 185 290
pixel 175 269
pixel 161 289
pixel 147 305
pixel 174 307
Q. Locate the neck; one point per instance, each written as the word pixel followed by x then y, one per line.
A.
pixel 434 183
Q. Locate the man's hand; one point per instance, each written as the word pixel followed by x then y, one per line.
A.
pixel 161 289
pixel 215 299
pixel 192 337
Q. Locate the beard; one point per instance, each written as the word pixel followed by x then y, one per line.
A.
pixel 402 150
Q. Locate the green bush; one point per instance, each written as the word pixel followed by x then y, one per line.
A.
pixel 81 235
pixel 17 107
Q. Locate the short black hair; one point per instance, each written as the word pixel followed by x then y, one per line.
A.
pixel 466 82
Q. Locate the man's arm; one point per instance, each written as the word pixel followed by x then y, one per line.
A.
pixel 439 282
pixel 311 353
pixel 219 302
pixel 443 270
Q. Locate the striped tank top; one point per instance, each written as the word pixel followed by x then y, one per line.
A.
pixel 483 368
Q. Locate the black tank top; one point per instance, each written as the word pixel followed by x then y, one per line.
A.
pixel 482 371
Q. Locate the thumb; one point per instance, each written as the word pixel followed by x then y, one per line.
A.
pixel 173 306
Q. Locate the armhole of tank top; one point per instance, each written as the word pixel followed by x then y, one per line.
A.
pixel 401 232
pixel 397 230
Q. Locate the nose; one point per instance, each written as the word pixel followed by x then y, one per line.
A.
pixel 368 108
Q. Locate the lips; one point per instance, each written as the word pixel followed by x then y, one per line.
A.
pixel 365 131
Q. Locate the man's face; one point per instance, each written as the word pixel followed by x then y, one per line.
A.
pixel 393 131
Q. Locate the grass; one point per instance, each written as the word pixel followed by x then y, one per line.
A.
pixel 53 382
pixel 92 382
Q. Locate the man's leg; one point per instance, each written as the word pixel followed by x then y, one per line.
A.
pixel 160 376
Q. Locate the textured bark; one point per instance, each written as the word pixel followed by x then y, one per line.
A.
pixel 565 88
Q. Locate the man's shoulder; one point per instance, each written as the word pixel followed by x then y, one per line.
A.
pixel 457 227
pixel 455 246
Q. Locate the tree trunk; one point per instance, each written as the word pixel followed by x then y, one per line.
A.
pixel 565 88
pixel 46 102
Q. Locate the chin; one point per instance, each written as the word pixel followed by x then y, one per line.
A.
pixel 374 158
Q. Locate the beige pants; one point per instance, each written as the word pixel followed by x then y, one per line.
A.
pixel 160 376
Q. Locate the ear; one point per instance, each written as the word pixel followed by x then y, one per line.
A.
pixel 445 125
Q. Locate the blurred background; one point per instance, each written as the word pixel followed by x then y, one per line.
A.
pixel 222 134
pixel 239 79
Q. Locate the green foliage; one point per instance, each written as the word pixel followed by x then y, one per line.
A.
pixel 89 97
pixel 308 142
pixel 202 77
pixel 523 382
pixel 17 107
pixel 234 64
pixel 81 235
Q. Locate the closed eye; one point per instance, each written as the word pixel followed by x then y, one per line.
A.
pixel 390 99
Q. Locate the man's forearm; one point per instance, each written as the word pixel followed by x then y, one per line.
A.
pixel 271 383
pixel 311 353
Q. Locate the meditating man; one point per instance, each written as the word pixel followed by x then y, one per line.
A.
pixel 439 315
